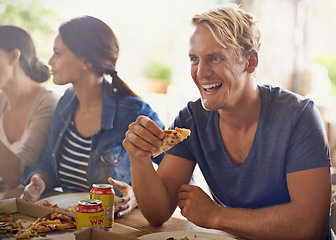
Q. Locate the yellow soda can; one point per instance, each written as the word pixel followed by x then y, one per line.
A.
pixel 106 194
pixel 90 214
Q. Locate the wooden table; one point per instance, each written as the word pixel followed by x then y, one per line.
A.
pixel 132 225
pixel 135 225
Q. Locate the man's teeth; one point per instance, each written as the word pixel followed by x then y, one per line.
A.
pixel 208 86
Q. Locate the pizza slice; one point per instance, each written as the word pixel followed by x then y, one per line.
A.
pixel 46 203
pixel 24 234
pixel 171 138
pixel 50 222
pixel 8 224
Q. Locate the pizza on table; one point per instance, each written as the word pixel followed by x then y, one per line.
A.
pixel 50 222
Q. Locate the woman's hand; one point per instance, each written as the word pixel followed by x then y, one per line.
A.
pixel 33 190
pixel 128 202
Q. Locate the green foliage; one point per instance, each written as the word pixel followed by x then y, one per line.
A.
pixel 329 62
pixel 159 70
pixel 31 16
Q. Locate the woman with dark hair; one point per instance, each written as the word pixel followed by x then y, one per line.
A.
pixel 26 107
pixel 91 119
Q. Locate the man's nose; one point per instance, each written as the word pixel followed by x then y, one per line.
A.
pixel 203 70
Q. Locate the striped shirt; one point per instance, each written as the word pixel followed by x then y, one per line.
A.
pixel 72 165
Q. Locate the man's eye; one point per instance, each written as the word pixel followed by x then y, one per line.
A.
pixel 215 59
pixel 193 59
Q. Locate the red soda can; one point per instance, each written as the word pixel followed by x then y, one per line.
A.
pixel 105 193
pixel 90 214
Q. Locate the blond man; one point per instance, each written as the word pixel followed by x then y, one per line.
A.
pixel 261 149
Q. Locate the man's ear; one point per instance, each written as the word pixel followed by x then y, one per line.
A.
pixel 252 61
pixel 14 56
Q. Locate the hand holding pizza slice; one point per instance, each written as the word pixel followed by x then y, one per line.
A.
pixel 171 138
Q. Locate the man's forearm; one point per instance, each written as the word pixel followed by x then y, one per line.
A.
pixel 286 221
pixel 150 192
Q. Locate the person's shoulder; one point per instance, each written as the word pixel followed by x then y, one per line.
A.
pixel 67 97
pixel 48 95
pixel 68 94
pixel 128 101
pixel 277 101
pixel 126 104
pixel 283 96
pixel 132 100
pixel 46 100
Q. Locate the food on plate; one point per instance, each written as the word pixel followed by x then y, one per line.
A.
pixel 50 222
pixel 184 238
pixel 171 138
pixel 24 234
pixel 8 224
pixel 46 203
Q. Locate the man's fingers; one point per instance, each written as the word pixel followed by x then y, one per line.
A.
pixel 143 140
pixel 135 150
pixel 149 135
pixel 147 129
pixel 151 126
pixel 143 137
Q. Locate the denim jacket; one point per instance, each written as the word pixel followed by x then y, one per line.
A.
pixel 108 158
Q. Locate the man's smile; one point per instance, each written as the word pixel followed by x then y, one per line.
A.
pixel 211 87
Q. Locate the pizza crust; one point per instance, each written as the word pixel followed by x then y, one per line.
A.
pixel 46 203
pixel 171 138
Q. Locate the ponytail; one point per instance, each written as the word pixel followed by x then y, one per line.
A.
pixel 35 69
pixel 12 37
pixel 119 88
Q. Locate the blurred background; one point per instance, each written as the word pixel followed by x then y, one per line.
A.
pixel 298 50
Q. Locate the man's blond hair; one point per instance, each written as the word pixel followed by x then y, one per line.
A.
pixel 232 28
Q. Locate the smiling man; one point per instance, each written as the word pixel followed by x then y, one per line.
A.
pixel 262 149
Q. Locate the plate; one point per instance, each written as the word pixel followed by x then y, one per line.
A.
pixel 181 234
pixel 69 199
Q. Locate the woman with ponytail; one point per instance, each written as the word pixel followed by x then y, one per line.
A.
pixel 91 119
pixel 26 107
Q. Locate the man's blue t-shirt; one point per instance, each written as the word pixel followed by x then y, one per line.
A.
pixel 290 137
